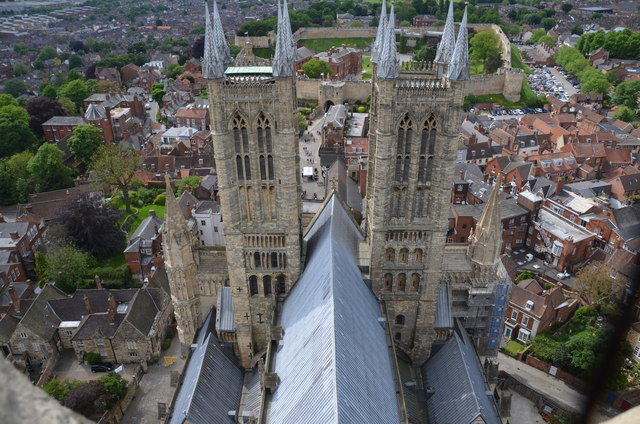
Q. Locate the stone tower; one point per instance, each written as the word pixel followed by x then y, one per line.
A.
pixel 181 269
pixel 415 117
pixel 486 241
pixel 254 130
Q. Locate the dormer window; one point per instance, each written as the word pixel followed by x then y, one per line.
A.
pixel 529 305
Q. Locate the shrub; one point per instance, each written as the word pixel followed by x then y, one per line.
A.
pixel 160 199
pixel 59 389
pixel 92 358
pixel 362 109
pixel 166 344
pixel 113 276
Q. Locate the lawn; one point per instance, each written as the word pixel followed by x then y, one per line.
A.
pixel 132 221
pixel 516 60
pixel 513 348
pixel 366 67
pixel 476 68
pixel 114 261
pixel 324 44
pixel 263 52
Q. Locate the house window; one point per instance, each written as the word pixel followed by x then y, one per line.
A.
pixel 518 241
pixel 201 232
pixel 131 345
pixel 525 320
pixel 133 353
pixel 510 233
pixel 215 229
pixel 636 351
pixel 203 223
pixel 514 315
pixel 21 347
pixel 398 337
pixel 464 226
pixel 400 320
pixel 103 352
pixel 68 332
pixel 36 347
pixel 80 344
pixel 523 335
pixel 100 342
pixel 24 335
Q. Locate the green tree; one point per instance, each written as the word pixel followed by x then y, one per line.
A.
pixel 174 70
pixel 357 24
pixel 577 29
pixel 85 142
pixel 493 63
pixel 627 94
pixel 15 87
pixel 625 114
pixel 92 358
pixel 315 68
pixel 157 94
pixel 89 399
pixel 115 384
pixel 48 171
pixel 548 40
pixel 47 52
pixel 302 122
pixel 593 81
pixel 20 185
pixel 596 284
pixel 59 389
pixel 48 90
pixel 537 34
pixel 76 91
pixel 424 54
pixel 566 7
pixel 115 166
pixel 548 23
pixel 20 69
pixel 75 61
pixel 68 106
pixel 192 182
pixel 15 133
pixel 8 100
pixel 483 45
pixel 68 266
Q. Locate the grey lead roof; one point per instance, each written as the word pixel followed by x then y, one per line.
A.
pixel 461 395
pixel 212 64
pixel 448 40
pixel 443 308
pixel 224 316
pixel 459 65
pixel 211 386
pixel 388 61
pixel 334 363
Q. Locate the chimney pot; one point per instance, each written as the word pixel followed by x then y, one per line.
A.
pixel 14 235
pixel 152 212
pixel 87 304
pixel 15 299
pixel 112 309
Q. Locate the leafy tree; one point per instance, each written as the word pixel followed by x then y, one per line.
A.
pixel 89 400
pixel 48 171
pixel 38 64
pixel 566 7
pixel 68 106
pixel 67 266
pixel 174 70
pixel 85 142
pixel 525 275
pixel 8 100
pixel 76 45
pixel 48 90
pixel 586 347
pixel 537 34
pixel 115 384
pixel 75 61
pixel 624 114
pixel 16 180
pixel 59 389
pixel 157 94
pixel 594 81
pixel 15 87
pixel 493 63
pixel 20 69
pixel 596 283
pixel 302 122
pixel 198 30
pixel 76 91
pixel 158 22
pixel 548 40
pixel 91 225
pixel 116 166
pixel 197 48
pixel 315 68
pixel 192 182
pixel 40 110
pixel 577 29
pixel 484 45
pixel 258 28
pixel 92 358
pixel 548 23
pixel 627 94
pixel 137 47
pixel 15 134
pixel 424 54
pixel 47 52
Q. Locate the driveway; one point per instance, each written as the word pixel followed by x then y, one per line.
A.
pixel 68 367
pixel 568 88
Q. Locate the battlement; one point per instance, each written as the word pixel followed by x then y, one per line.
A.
pixel 417 66
pixel 249 85
pixel 423 87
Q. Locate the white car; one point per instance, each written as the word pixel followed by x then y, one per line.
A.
pixel 147 106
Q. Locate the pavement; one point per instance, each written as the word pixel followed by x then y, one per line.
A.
pixel 523 411
pixel 310 143
pixel 69 367
pixel 154 388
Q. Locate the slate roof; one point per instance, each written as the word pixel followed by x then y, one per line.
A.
pixel 98 325
pixel 73 309
pixel 224 316
pixel 589 189
pixel 186 201
pixel 211 384
pixel 8 325
pixel 66 120
pixel 39 318
pixel 443 308
pixel 465 398
pixel 334 363
pixel 627 221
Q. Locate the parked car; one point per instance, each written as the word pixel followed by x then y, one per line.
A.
pixel 101 367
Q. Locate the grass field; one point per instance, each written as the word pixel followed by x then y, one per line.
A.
pixel 113 261
pixel 324 44
pixel 265 52
pixel 476 68
pixel 513 348
pixel 516 60
pixel 366 67
pixel 139 214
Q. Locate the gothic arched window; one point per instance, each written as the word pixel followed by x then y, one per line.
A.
pixel 390 255
pixel 427 149
pixel 400 319
pixel 402 282
pixel 266 283
pixel 274 259
pixel 247 168
pixel 388 281
pixel 239 168
pixel 403 150
pixel 404 256
pixel 270 174
pixel 253 285
pixel 240 137
pixel 256 260
pixel 414 285
pixel 417 255
pixel 263 169
pixel 281 287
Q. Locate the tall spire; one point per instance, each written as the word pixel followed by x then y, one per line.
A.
pixel 448 41
pixel 388 61
pixel 459 64
pixel 219 37
pixel 212 65
pixel 486 241
pixel 378 44
pixel 174 220
pixel 285 53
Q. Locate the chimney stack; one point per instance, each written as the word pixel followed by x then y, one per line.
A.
pixel 98 281
pixel 14 235
pixel 87 304
pixel 15 299
pixel 111 310
pixel 461 173
pixel 152 212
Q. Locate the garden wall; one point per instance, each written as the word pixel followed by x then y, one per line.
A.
pixel 560 374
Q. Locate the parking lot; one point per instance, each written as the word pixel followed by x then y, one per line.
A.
pixel 553 82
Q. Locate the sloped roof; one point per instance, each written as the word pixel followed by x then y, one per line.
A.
pixel 465 398
pixel 443 308
pixel 334 364
pixel 38 318
pixel 73 308
pixel 212 385
pixel 143 310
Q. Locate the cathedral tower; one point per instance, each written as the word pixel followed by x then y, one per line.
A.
pixel 415 117
pixel 255 138
pixel 486 241
pixel 181 269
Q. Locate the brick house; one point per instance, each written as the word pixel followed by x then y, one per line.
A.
pixel 633 337
pixel 144 245
pixel 108 74
pixel 59 127
pixel 23 238
pixel 624 186
pixel 533 310
pixel 555 166
pixel 343 61
pixel 13 294
pixel 192 117
pixel 592 154
pixel 424 20
pixel 333 127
